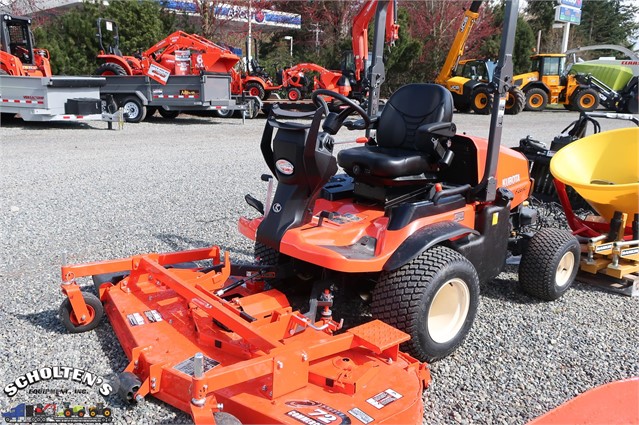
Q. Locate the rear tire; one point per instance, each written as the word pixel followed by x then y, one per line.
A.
pixel 224 113
pixel 585 100
pixel 536 100
pixel 266 255
pixel 134 108
pixel 109 68
pixel 434 299
pixel 549 264
pixel 515 102
pixel 481 100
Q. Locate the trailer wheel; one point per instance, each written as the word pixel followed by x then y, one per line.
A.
pixel 433 298
pixel 481 100
pixel 109 68
pixel 585 100
pixel 129 384
pixel 72 324
pixel 167 114
pixel 549 264
pixel 224 113
pixel 255 89
pixel 134 109
pixel 224 418
pixel 536 100
pixel 516 101
pixel 294 94
pixel 150 111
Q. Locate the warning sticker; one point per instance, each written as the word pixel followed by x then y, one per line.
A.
pixel 360 415
pixel 384 398
pixel 314 413
pixel 187 366
pixel 159 73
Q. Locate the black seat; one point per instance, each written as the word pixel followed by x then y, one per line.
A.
pixel 412 139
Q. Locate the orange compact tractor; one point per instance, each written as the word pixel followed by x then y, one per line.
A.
pixel 424 214
pixel 17 53
pixel 295 80
pixel 178 54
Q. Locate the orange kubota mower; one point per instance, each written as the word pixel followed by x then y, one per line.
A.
pixel 17 53
pixel 424 212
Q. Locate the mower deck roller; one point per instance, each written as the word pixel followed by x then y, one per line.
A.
pixel 603 168
pixel 211 343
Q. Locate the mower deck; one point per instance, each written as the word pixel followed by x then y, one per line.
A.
pixel 246 352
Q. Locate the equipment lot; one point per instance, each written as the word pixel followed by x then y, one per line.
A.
pixel 170 185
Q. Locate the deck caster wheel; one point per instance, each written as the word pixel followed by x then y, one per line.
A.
pixel 224 418
pixel 549 264
pixel 112 278
pixel 129 385
pixel 71 322
pixel 433 298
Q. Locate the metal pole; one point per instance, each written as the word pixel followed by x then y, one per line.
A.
pixel 250 36
pixel 564 40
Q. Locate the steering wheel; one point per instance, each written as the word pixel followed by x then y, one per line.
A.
pixel 351 106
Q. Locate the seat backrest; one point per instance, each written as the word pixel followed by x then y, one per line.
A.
pixel 408 108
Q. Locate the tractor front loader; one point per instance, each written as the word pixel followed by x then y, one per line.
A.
pixel 18 56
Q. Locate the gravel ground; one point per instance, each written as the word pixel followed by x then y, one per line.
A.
pixel 81 191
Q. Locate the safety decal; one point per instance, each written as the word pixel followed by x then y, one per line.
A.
pixel 360 415
pixel 188 365
pixel 153 316
pixel 603 247
pixel 384 398
pixel 135 319
pixel 311 412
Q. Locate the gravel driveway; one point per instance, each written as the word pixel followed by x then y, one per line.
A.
pixel 85 193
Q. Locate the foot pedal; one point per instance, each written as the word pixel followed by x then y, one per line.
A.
pixel 378 336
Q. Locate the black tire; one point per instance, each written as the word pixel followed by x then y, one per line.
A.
pixel 93 413
pixel 150 111
pixel 69 320
pixel 569 107
pixel 168 115
pixel 81 413
pixel 585 100
pixel 129 384
pixel 68 413
pixel 294 94
pixel 265 254
pixel 224 418
pixel 631 101
pixel 536 100
pixel 516 101
pixel 112 278
pixel 224 113
pixel 255 89
pixel 464 108
pixel 110 68
pixel 410 297
pixel 481 100
pixel 134 109
pixel 549 264
pixel 106 412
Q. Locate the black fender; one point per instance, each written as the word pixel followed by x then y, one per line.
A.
pixel 423 239
pixel 536 85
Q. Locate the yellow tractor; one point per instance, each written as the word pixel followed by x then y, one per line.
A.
pixel 549 83
pixel 469 81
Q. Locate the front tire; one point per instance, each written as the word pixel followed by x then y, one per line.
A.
pixel 255 89
pixel 71 322
pixel 549 264
pixel 585 100
pixel 434 299
pixel 536 100
pixel 109 68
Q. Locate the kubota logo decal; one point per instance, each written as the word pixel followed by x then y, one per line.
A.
pixel 284 167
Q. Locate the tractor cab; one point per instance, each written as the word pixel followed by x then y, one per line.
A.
pixel 551 68
pixel 17 53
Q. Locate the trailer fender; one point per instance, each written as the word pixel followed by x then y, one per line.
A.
pixel 423 239
pixel 143 98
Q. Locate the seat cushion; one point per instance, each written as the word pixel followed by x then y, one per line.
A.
pixel 383 162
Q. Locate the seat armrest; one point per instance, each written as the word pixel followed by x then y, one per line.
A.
pixel 439 129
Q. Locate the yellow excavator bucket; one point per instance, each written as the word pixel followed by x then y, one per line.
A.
pixel 604 169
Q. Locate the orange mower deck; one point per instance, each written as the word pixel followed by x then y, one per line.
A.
pixel 214 344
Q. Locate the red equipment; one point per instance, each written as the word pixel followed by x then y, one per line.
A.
pixel 159 62
pixel 296 83
pixel 17 53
